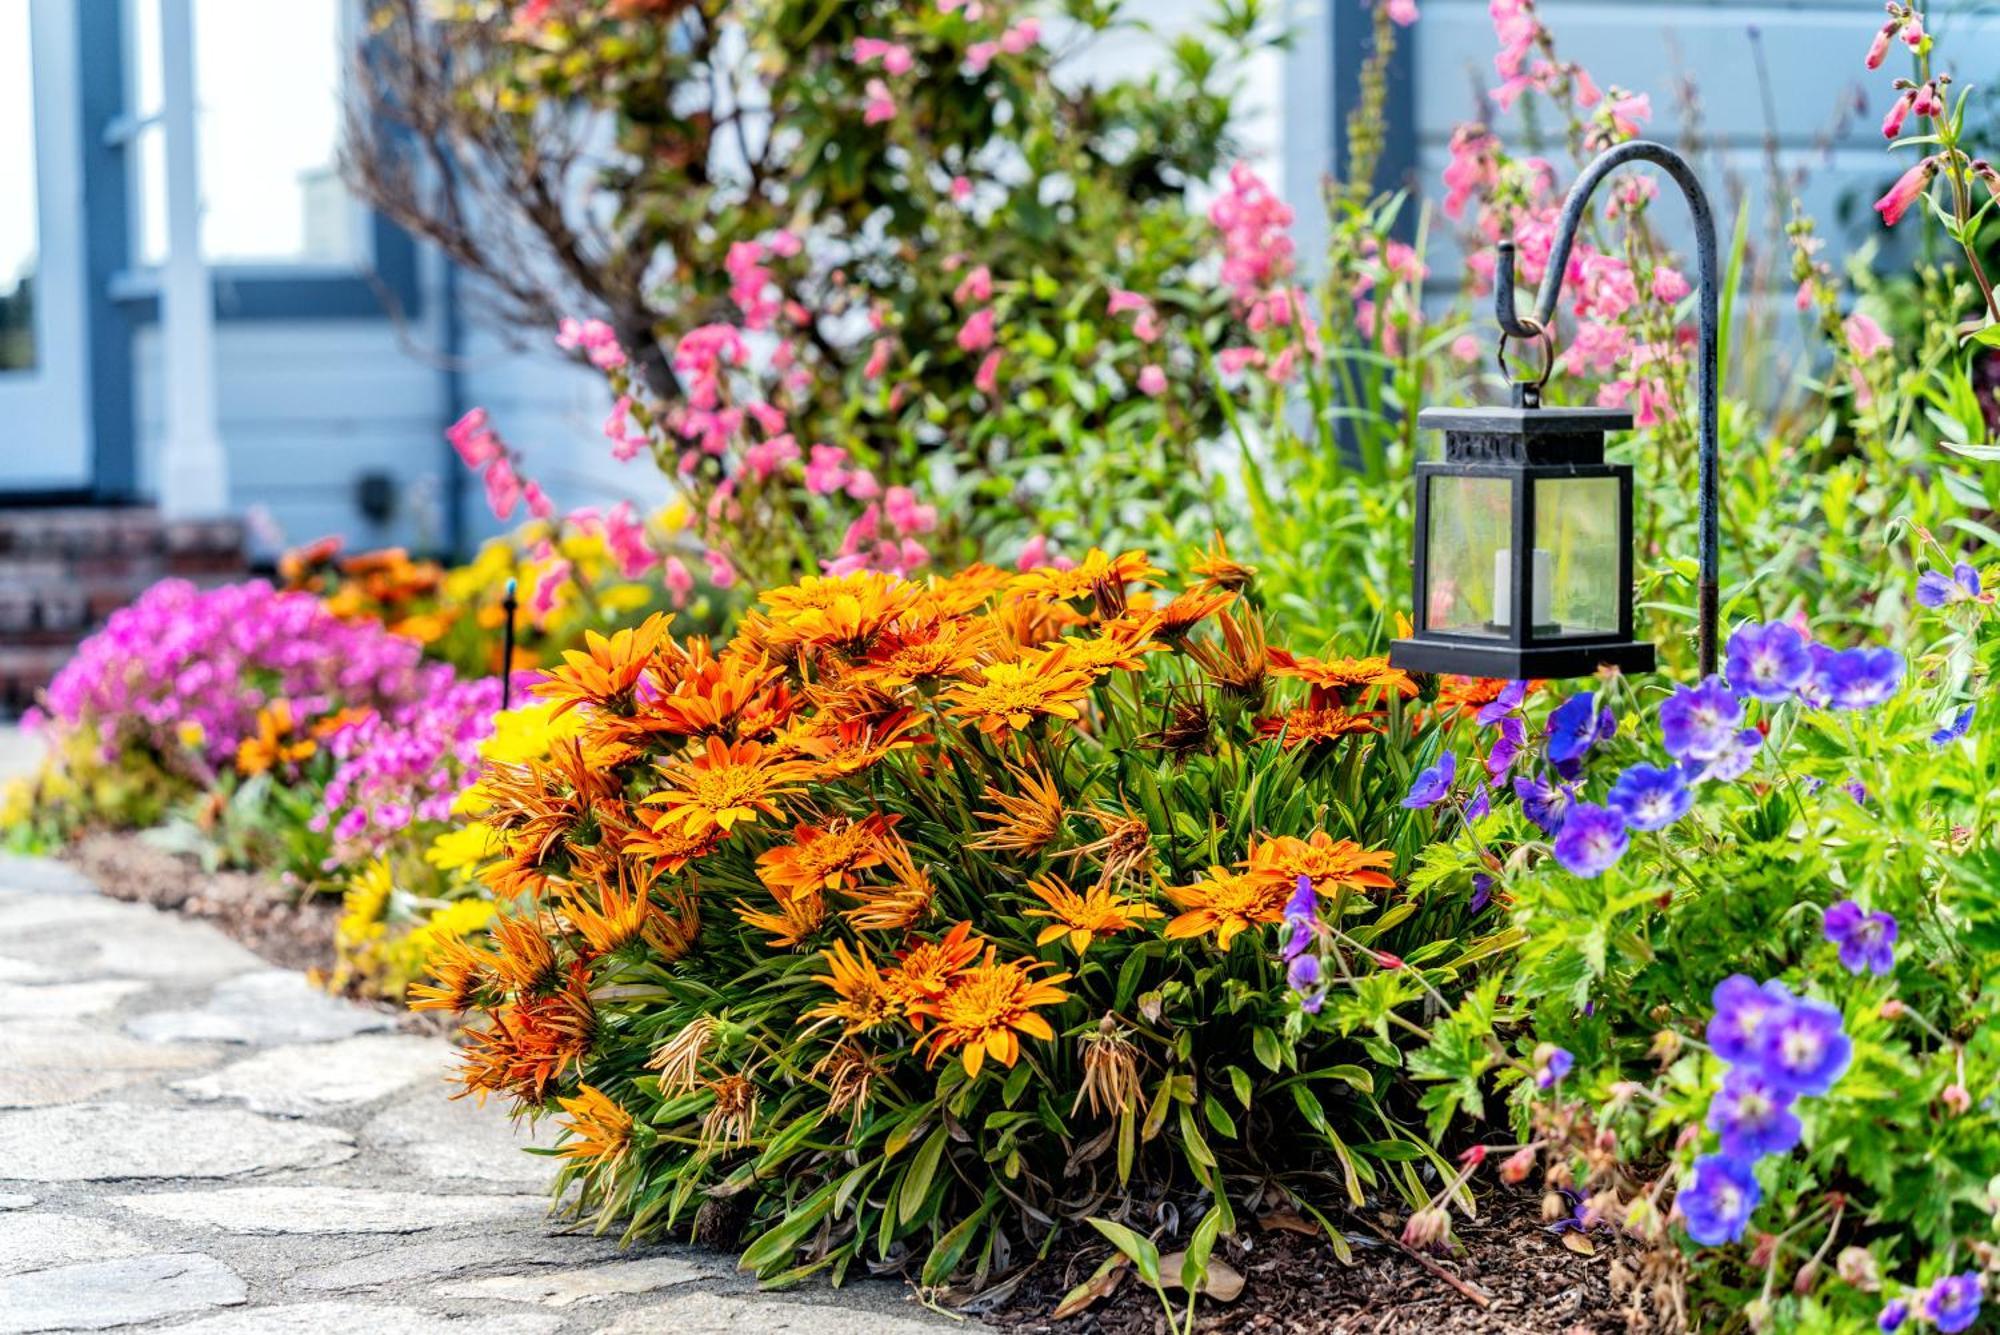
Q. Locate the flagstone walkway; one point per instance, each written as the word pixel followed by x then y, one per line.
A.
pixel 193 1140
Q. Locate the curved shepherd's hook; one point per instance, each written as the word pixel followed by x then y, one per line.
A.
pixel 1675 166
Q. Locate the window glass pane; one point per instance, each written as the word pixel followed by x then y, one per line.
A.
pixel 1471 525
pixel 268 92
pixel 20 223
pixel 1577 533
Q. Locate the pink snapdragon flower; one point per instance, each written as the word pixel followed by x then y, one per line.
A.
pixel 987 378
pixel 503 488
pixel 976 334
pixel 1152 381
pixel 626 442
pixel 975 287
pixel 826 470
pixel 895 57
pixel 1865 338
pixel 679 581
pixel 473 438
pixel 594 338
pixel 881 104
pixel 1021 36
pixel 1257 250
pixel 625 538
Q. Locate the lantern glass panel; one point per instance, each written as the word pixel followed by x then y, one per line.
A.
pixel 1579 534
pixel 1471 527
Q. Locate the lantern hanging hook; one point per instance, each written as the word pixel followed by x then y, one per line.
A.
pixel 1708 385
pixel 1528 393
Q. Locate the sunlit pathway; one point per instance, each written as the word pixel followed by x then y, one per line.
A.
pixel 190 1139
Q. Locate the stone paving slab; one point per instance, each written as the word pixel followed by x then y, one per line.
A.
pixel 191 1140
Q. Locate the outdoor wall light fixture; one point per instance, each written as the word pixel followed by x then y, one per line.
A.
pixel 1524 533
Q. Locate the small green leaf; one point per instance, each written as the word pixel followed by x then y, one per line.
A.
pixel 1143 1255
pixel 917 1180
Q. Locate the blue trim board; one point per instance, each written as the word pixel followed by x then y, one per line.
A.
pixel 390 288
pixel 107 245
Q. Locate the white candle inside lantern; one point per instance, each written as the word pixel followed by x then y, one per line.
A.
pixel 1541 597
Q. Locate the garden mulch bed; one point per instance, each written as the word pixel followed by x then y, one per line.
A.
pixel 1294 1284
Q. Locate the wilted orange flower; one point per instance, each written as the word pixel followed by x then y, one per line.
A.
pixel 1225 902
pixel 1315 727
pixel 678 1060
pixel 923 971
pixel 538 806
pixel 600 1130
pixel 864 998
pixel 1110 1070
pixel 523 961
pixel 1124 849
pixel 795 920
pixel 1085 917
pixel 1028 823
pixel 463 973
pixel 1333 864
pixel 986 1009
pixel 529 1043
pixel 1010 696
pixel 1239 665
pixel 1217 570
pixel 733 696
pixel 605 672
pixel 1098 570
pixel 844 612
pixel 671 931
pixel 899 905
pixel 273 745
pixel 824 858
pixel 612 913
pixel 734 1114
pixel 723 787
pixel 850 1072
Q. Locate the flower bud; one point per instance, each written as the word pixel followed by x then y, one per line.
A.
pixel 1518 1165
pixel 1554 1206
pixel 1807 1278
pixel 1428 1229
pixel 1892 1009
pixel 1666 1046
pixel 1765 1248
pixel 1857 1268
pixel 1475 1156
pixel 1758 1315
pixel 1957 1098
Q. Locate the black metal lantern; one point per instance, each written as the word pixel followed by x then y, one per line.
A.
pixel 1524 533
pixel 1524 547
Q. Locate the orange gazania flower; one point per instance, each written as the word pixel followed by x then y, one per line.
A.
pixel 612 913
pixel 1469 695
pixel 795 920
pixel 723 787
pixel 844 612
pixel 838 747
pixel 1097 570
pixel 273 745
pixel 530 1042
pixel 1119 646
pixel 1217 570
pixel 1010 696
pixel 927 651
pixel 734 695
pixel 986 1009
pixel 600 1130
pixel 1239 665
pixel 1341 675
pixel 340 719
pixel 863 997
pixel 1085 917
pixel 523 959
pixel 1333 864
pixel 1225 902
pixel 824 858
pixel 1028 823
pixel 1316 727
pixel 1190 609
pixel 463 974
pixel 923 971
pixel 605 672
pixel 899 905
pixel 669 848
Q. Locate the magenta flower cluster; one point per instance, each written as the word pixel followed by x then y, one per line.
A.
pixel 405 765
pixel 183 672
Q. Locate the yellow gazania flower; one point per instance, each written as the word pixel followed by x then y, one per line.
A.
pixel 605 671
pixel 611 912
pixel 929 650
pixel 1097 568
pixel 1333 864
pixel 795 920
pixel 1085 917
pixel 864 997
pixel 600 1130
pixel 835 611
pixel 1225 902
pixel 1010 696
pixel 725 786
pixel 271 746
pixel 1119 646
pixel 986 1009
pixel 823 858
pixel 464 847
pixel 524 961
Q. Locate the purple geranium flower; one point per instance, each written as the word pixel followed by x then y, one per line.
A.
pixel 1955 729
pixel 1480 804
pixel 1733 761
pixel 1650 798
pixel 1803 1049
pixel 1696 722
pixel 1503 704
pixel 1431 786
pixel 1857 678
pixel 1482 891
pixel 1867 941
pixel 1752 1116
pixel 1576 725
pixel 1744 1014
pixel 1768 662
pixel 1506 747
pixel 1546 804
pixel 1935 590
pixel 1718 1199
pixel 1953 1302
pixel 1894 1313
pixel 1301 912
pixel 1554 1065
pixel 1593 838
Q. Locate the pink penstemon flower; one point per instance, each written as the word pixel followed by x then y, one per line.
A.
pixel 987 379
pixel 1152 381
pixel 678 580
pixel 881 104
pixel 1865 338
pixel 1907 190
pixel 976 334
pixel 895 57
pixel 976 286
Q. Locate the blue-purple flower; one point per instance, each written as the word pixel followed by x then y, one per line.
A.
pixel 1752 1116
pixel 1433 785
pixel 1952 1303
pixel 1551 1065
pixel 1718 1199
pixel 1510 698
pixel 1744 1015
pixel 1482 891
pixel 1697 722
pixel 1506 747
pixel 1955 729
pixel 1546 804
pixel 1894 1313
pixel 1804 1049
pixel 1961 586
pixel 1650 798
pixel 1575 726
pixel 1480 805
pixel 1856 678
pixel 1867 941
pixel 1303 974
pixel 1733 761
pixel 1301 912
pixel 1768 662
pixel 1593 838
